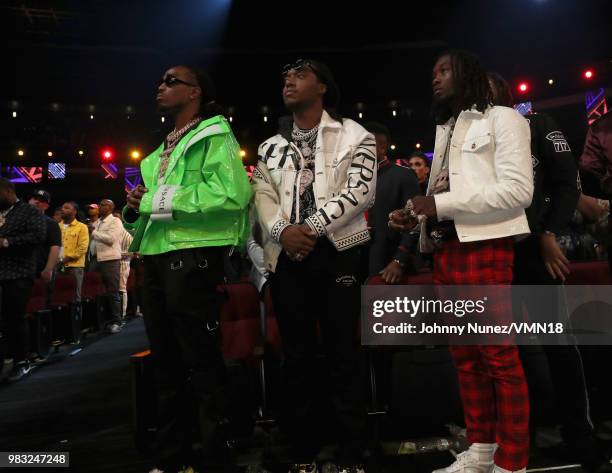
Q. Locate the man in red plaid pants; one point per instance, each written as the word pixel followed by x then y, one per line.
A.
pixel 480 182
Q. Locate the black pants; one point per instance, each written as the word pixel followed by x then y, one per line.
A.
pixel 324 289
pixel 181 308
pixel 15 295
pixel 564 361
pixel 110 272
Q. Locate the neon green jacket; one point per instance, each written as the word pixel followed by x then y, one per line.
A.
pixel 203 199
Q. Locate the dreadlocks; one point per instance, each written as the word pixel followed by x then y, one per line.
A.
pixel 501 91
pixel 472 86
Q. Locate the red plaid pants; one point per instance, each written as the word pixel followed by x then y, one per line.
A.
pixel 491 378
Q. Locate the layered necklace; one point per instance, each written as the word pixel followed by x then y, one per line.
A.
pixel 171 141
pixel 306 141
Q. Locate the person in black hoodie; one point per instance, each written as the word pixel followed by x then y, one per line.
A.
pixel 539 260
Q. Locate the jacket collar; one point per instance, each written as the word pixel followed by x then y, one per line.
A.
pixel 217 122
pixel 473 113
pixel 285 125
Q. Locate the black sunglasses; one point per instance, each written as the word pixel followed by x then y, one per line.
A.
pixel 171 81
pixel 298 65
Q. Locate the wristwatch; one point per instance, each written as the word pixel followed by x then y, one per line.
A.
pixel 401 265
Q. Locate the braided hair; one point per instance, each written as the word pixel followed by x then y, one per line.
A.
pixel 503 92
pixel 472 86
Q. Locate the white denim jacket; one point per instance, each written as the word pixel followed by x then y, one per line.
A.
pixel 344 185
pixel 490 175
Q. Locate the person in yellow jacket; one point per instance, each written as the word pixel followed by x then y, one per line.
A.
pixel 189 217
pixel 75 241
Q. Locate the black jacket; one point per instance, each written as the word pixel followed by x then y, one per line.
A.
pixel 25 230
pixel 395 185
pixel 555 169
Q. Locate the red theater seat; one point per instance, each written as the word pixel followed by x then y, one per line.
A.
pixel 240 321
pixel 64 291
pixel 38 298
pixel 92 285
pixel 591 272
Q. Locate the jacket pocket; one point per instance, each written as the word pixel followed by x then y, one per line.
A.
pixel 339 168
pixel 477 144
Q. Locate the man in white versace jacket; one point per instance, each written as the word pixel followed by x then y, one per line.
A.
pixel 312 184
pixel 480 183
pixel 105 252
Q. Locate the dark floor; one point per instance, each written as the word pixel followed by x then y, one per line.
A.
pixel 81 403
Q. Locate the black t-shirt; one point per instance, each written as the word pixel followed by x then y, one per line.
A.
pixel 53 238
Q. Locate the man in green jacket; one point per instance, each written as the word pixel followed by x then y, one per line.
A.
pixel 190 214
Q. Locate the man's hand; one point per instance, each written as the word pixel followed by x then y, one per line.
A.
pixel 298 241
pixel 424 205
pixel 555 261
pixel 402 221
pixel 135 196
pixel 46 275
pixel 392 274
pixel 68 259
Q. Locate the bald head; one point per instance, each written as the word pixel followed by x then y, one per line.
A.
pixel 106 207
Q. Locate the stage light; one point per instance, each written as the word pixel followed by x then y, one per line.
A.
pixel 20 152
pixel 163 119
pixel 50 154
pixel 80 152
pixel 243 153
pixel 360 114
pixel 418 146
pixel 231 119
pixel 551 81
pixel 523 87
pixel 14 114
pixel 265 119
pixel 91 117
pixel 107 154
pixel 135 154
pixel 394 113
pixel 392 147
pixel 588 74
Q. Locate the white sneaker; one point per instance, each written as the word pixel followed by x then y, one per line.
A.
pixel 477 459
pixel 499 469
pixel 114 328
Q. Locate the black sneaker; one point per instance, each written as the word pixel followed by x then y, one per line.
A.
pixel 7 368
pixel 20 370
pixel 58 342
pixel 35 357
pixel 331 467
pixel 591 455
pixel 303 468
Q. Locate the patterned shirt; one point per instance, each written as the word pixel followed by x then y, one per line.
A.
pixel 24 227
pixel 305 140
